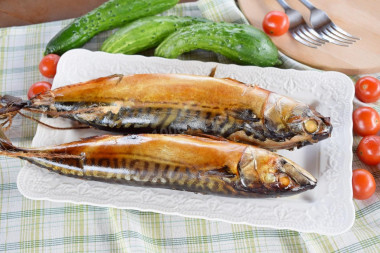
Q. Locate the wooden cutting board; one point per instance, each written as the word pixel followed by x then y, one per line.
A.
pixel 360 18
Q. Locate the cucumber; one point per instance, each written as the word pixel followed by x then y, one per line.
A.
pixel 109 15
pixel 145 33
pixel 242 44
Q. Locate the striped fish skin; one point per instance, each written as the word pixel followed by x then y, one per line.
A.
pixel 178 162
pixel 172 103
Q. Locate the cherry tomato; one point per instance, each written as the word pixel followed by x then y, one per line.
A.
pixel 48 65
pixel 369 150
pixel 276 23
pixel 366 121
pixel 367 89
pixel 37 88
pixel 363 184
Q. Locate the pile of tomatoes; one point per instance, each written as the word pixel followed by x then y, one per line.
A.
pixel 366 123
pixel 48 68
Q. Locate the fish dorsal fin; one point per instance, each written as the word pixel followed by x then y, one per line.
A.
pixel 213 70
pixel 234 80
pixel 212 137
pixel 231 79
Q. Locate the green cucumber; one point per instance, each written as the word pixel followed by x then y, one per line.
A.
pixel 109 15
pixel 146 33
pixel 242 44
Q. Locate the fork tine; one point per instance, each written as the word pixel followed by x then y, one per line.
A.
pixel 337 28
pixel 333 36
pixel 305 37
pixel 299 39
pixel 338 35
pixel 329 39
pixel 319 39
pixel 313 32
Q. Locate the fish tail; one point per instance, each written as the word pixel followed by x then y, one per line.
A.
pixel 11 104
pixel 42 158
pixel 6 146
pixel 8 149
pixel 9 107
pixel 5 143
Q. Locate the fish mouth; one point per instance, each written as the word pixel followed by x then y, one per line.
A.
pixel 303 178
pixel 324 133
pixel 326 130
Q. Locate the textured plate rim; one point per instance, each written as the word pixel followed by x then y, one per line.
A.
pixel 349 202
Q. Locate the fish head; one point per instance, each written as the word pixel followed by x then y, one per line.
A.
pixel 304 121
pixel 268 173
pixel 286 118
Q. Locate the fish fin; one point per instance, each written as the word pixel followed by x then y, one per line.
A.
pixel 231 79
pixel 5 144
pixel 3 137
pixel 99 80
pixel 221 172
pixel 213 70
pixel 217 138
pixel 244 114
pixel 11 104
pixel 119 77
pixel 237 81
pixel 11 99
pixel 8 149
pixel 86 138
pixel 199 133
pixel 92 137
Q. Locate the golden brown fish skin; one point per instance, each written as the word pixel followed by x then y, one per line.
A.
pixel 173 103
pixel 178 162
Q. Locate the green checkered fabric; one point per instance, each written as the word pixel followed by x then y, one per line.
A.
pixel 44 226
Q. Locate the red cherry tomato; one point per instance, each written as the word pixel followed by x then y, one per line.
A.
pixel 367 89
pixel 48 65
pixel 366 121
pixel 37 88
pixel 363 184
pixel 369 150
pixel 276 23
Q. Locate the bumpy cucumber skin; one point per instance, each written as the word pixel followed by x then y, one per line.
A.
pixel 109 15
pixel 146 33
pixel 242 44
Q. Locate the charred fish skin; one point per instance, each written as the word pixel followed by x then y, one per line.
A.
pixel 162 120
pixel 173 103
pixel 178 162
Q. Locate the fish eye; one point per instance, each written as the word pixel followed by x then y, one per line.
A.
pixel 284 181
pixel 310 125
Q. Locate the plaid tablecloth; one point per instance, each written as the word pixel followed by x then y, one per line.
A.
pixel 44 226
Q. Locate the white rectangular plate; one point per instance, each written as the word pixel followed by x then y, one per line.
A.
pixel 327 209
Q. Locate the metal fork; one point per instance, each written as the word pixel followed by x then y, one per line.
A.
pixel 321 23
pixel 299 29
